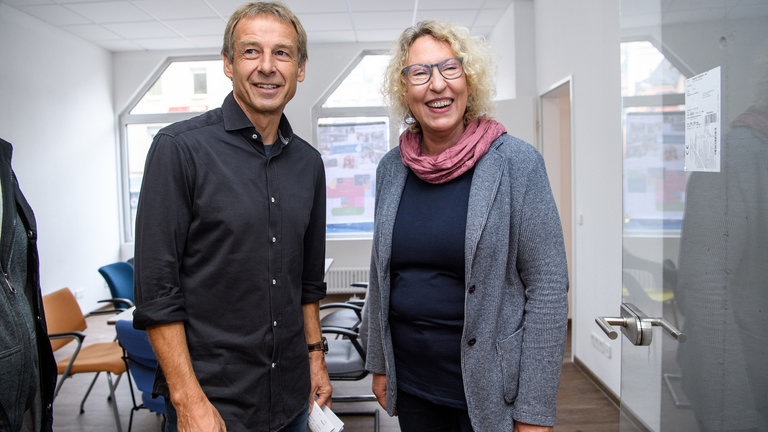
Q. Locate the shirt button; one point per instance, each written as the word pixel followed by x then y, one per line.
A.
pixel 272 199
pixel 255 136
pixel 274 281
pixel 274 239
pixel 274 365
pixel 274 323
pixel 472 342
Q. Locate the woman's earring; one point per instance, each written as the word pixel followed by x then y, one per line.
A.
pixel 410 120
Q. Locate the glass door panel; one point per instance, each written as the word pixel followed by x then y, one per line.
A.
pixel 695 246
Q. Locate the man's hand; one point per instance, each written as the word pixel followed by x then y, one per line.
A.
pixel 199 416
pixel 379 387
pixel 194 412
pixel 321 383
pixel 321 389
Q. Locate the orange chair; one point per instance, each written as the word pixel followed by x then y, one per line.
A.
pixel 66 323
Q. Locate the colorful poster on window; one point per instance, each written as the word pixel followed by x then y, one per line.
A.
pixel 654 181
pixel 351 150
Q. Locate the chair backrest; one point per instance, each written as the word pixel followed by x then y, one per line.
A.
pixel 345 315
pixel 345 359
pixel 119 277
pixel 141 362
pixel 136 344
pixel 62 314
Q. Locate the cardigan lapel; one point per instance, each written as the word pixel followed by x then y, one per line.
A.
pixel 485 185
pixel 388 201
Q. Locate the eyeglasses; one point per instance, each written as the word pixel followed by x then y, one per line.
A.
pixel 419 74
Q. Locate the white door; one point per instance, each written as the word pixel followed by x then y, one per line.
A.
pixel 694 318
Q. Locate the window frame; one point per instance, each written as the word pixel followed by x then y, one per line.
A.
pixel 125 118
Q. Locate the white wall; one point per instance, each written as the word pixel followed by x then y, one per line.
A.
pixel 56 109
pixel 581 40
pixel 514 52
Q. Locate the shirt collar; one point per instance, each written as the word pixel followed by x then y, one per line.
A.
pixel 235 119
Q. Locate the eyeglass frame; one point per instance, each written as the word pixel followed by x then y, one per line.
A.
pixel 405 70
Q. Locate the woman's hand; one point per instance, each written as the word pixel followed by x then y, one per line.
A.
pixel 525 427
pixel 379 387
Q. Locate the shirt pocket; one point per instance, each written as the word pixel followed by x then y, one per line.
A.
pixel 509 350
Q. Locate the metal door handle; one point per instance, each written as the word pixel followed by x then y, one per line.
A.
pixel 637 326
pixel 605 324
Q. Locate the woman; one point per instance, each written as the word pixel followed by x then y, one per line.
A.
pixel 465 319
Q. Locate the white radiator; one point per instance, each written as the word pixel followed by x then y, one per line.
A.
pixel 340 279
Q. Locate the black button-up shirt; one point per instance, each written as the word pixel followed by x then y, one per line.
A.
pixel 232 242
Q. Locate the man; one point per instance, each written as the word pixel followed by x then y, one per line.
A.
pixel 27 365
pixel 230 245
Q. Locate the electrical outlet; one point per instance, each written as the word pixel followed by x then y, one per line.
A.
pixel 601 345
pixel 79 294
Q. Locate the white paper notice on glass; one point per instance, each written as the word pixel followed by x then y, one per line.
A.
pixel 322 419
pixel 702 122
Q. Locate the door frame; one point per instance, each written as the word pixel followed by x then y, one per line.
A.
pixel 555 142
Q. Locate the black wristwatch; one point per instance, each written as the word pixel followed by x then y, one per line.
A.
pixel 319 346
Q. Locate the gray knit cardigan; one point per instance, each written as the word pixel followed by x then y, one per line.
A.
pixel 516 306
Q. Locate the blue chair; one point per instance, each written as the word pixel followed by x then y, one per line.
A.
pixel 141 364
pixel 119 277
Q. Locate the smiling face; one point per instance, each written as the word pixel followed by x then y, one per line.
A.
pixel 265 69
pixel 438 105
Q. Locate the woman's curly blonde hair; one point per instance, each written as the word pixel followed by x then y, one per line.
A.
pixel 478 69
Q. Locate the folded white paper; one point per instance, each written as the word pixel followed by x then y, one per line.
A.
pixel 322 419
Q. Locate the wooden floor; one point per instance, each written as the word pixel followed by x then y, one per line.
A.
pixel 582 407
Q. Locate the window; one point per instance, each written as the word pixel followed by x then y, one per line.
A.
pixel 199 82
pixel 654 138
pixel 179 90
pixel 353 131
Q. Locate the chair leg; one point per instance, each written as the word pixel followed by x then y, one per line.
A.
pixel 90 387
pixel 59 383
pixel 88 392
pixel 130 420
pixel 113 401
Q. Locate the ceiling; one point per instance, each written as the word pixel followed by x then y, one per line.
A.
pixel 138 25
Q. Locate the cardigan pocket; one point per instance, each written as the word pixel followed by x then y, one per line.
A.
pixel 509 350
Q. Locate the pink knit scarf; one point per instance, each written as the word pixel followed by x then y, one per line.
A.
pixel 457 159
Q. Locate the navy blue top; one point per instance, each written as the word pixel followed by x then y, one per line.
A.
pixel 427 298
